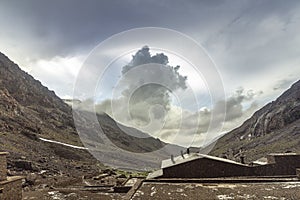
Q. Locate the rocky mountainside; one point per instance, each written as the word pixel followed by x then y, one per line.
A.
pixel 37 129
pixel 28 112
pixel 273 128
pixel 121 146
pixel 115 132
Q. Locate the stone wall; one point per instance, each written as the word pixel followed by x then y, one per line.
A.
pixel 11 188
pixel 3 166
pixel 280 165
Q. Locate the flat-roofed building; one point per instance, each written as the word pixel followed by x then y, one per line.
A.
pixel 196 165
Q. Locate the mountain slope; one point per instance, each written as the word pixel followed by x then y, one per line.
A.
pixel 115 132
pixel 121 146
pixel 273 128
pixel 29 111
pixel 28 106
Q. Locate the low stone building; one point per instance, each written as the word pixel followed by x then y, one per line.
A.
pixel 279 164
pixel 198 165
pixel 199 176
pixel 10 186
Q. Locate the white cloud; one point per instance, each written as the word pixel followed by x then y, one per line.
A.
pixel 58 73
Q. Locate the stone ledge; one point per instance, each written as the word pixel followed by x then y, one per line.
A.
pixel 11 179
pixel 12 188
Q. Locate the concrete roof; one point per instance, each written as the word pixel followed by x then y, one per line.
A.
pixel 4 153
pixel 194 156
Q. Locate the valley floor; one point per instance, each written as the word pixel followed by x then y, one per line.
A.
pixel 181 191
pixel 191 191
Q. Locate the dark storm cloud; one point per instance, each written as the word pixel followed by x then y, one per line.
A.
pixel 245 38
pixel 70 26
pixel 66 27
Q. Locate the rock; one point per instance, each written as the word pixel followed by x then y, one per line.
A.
pixel 72 196
pixel 121 176
pixel 78 167
pixel 30 179
pixel 42 160
pixel 43 186
pixel 101 176
pixel 108 171
pixel 120 182
pixel 29 134
pixel 9 173
pixel 26 189
pixel 23 164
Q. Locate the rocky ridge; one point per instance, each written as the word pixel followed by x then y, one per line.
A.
pixel 273 128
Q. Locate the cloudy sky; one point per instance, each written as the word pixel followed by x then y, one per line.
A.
pixel 253 43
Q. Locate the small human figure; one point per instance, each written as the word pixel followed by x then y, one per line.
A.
pixel 172 159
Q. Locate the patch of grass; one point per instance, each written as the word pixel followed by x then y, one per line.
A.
pixel 133 173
